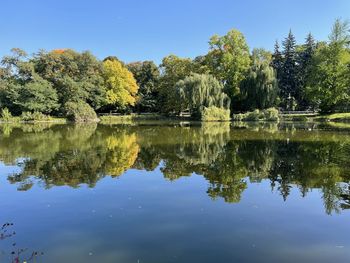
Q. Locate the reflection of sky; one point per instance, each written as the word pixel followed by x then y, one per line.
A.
pixel 143 217
pixel 8 169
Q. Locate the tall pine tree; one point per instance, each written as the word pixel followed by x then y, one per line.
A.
pixel 289 83
pixel 277 60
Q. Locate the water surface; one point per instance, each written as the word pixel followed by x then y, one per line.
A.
pixel 175 193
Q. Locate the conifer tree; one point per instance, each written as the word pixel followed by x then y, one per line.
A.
pixel 277 62
pixel 289 83
pixel 277 59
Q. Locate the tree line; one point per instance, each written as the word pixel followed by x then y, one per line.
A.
pixel 314 75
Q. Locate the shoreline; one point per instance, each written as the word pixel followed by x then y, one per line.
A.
pixel 337 118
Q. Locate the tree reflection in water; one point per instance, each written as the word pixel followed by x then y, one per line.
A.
pixel 228 158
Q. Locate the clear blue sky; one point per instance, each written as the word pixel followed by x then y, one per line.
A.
pixel 151 29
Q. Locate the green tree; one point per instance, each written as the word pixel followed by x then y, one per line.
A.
pixel 11 62
pixel 329 79
pixel 25 90
pixel 305 58
pixel 277 59
pixel 75 76
pixel 9 77
pixel 147 75
pixel 289 83
pixel 229 60
pixel 173 69
pixel 37 95
pixel 198 91
pixel 260 87
pixel 200 65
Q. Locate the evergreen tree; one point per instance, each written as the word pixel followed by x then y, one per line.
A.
pixel 277 63
pixel 277 60
pixel 309 50
pixel 289 83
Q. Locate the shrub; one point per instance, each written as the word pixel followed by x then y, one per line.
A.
pixel 215 114
pixel 34 116
pixel 255 115
pixel 80 112
pixel 6 114
pixel 26 116
pixel 270 114
pixel 238 117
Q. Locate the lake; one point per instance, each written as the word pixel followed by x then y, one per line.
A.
pixel 175 192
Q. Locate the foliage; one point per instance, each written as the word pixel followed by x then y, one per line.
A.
pixel 329 79
pixel 259 89
pixel 79 112
pixel 277 62
pixel 198 91
pixel 311 75
pixel 270 114
pixel 25 90
pixel 6 114
pixel 173 69
pixel 229 60
pixel 75 76
pixel 214 113
pixel 292 67
pixel 121 86
pixel 146 74
pixel 37 95
pixel 34 116
pixel 305 60
pixel 289 77
pixel 48 80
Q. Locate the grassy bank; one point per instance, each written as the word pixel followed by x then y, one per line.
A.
pixel 126 119
pixel 298 117
pixel 31 117
pixel 21 120
pixel 335 117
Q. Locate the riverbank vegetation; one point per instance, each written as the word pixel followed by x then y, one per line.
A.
pixel 227 81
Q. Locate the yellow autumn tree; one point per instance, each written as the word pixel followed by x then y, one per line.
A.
pixel 120 84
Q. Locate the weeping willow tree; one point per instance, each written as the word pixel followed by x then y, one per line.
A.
pixel 260 88
pixel 200 91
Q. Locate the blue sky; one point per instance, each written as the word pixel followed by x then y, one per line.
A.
pixel 151 29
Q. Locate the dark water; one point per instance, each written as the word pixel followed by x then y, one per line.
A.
pixel 151 193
